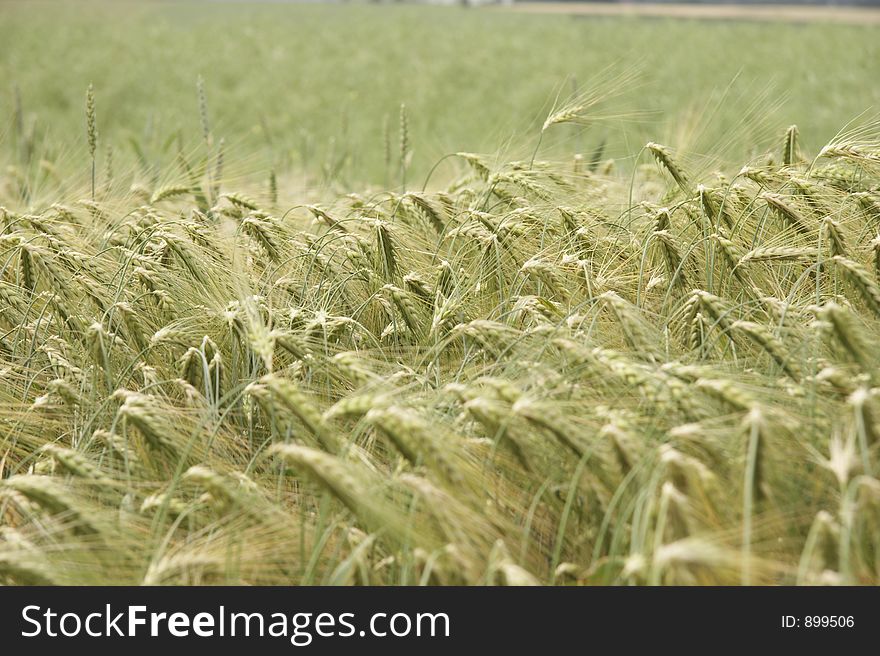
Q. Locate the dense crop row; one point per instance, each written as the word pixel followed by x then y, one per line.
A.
pixel 546 373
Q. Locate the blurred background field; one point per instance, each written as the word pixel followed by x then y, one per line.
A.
pixel 315 88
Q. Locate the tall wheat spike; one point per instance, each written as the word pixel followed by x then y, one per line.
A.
pixel 91 131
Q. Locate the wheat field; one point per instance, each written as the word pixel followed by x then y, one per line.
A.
pixel 565 360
